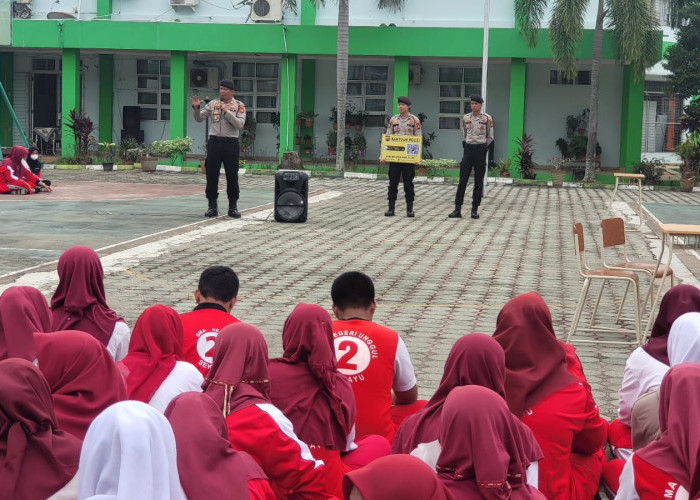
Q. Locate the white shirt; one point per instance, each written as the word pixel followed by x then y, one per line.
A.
pixel 627 490
pixel 118 345
pixel 404 375
pixel 642 374
pixel 184 377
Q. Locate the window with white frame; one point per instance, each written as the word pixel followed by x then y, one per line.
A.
pixel 257 86
pixel 661 119
pixel 559 78
pixel 366 92
pixel 456 84
pixel 153 88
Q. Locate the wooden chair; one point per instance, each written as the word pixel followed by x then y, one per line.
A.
pixel 613 232
pixel 605 275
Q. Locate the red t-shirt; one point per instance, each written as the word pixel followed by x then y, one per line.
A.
pixel 200 328
pixel 366 354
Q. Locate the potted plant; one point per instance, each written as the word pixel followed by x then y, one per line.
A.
pixel 558 172
pixel 331 141
pixel 307 117
pixel 81 127
pixel 524 156
pixel 307 140
pixel 689 151
pixel 360 143
pixel 175 149
pixel 504 167
pixel 358 120
pixel 149 162
pixel 334 117
pixel 250 126
pixel 107 155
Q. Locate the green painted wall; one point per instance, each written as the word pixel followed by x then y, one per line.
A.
pixel 400 80
pixel 104 9
pixel 631 126
pixel 6 77
pixel 179 103
pixel 516 109
pixel 269 39
pixel 308 13
pixel 307 100
pixel 288 105
pixel 106 104
pixel 70 97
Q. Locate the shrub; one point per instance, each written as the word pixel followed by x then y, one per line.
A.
pixel 652 171
pixel 524 156
pixel 176 148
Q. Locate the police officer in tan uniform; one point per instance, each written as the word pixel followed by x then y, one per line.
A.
pixel 404 123
pixel 478 136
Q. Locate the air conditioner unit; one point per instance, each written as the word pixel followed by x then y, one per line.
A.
pixel 414 74
pixel 204 78
pixel 266 11
pixel 184 3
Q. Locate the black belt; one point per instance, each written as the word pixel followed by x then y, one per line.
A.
pixel 476 147
pixel 218 138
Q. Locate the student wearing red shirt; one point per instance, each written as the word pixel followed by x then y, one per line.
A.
pixel 215 295
pixel 373 358
pixel 15 175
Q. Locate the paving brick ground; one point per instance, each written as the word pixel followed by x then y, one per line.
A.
pixel 436 278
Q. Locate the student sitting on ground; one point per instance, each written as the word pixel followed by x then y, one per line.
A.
pixel 373 357
pixel 15 176
pixel 153 369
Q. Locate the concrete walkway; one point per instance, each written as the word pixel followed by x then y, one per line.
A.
pixel 436 278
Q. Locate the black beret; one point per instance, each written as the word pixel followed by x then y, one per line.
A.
pixel 226 83
pixel 404 100
pixel 476 98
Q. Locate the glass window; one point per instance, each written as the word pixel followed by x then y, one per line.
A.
pixel 373 88
pixel 661 131
pixel 367 92
pixel 354 88
pixel 153 75
pixel 450 91
pixel 147 98
pixel 244 70
pixel 456 87
pixel 377 73
pixel 243 86
pixel 267 70
pixel 149 113
pixel 356 72
pixel 451 74
pixel 451 107
pixel 267 86
pixel 259 84
pixel 448 123
pixel 375 104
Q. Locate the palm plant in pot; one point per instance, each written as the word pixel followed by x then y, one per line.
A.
pixel 331 141
pixel 107 155
pixel 524 155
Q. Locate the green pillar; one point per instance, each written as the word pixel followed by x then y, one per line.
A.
pixel 178 94
pixel 288 103
pixel 308 13
pixel 106 98
pixel 400 79
pixel 308 96
pixel 70 98
pixel 516 110
pixel 104 9
pixel 631 119
pixel 7 61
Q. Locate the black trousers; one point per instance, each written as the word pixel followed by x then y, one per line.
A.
pixel 408 172
pixel 474 157
pixel 222 150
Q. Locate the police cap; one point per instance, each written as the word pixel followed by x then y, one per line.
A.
pixel 226 83
pixel 476 98
pixel 405 100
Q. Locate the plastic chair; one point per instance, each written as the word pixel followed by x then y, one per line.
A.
pixel 605 275
pixel 613 232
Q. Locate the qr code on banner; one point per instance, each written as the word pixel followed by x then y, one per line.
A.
pixel 412 149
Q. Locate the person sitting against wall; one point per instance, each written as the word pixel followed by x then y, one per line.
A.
pixel 15 175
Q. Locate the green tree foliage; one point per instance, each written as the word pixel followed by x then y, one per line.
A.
pixel 683 58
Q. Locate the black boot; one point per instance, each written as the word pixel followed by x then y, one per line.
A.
pixel 409 209
pixel 213 210
pixel 390 210
pixel 475 212
pixel 233 212
pixel 456 213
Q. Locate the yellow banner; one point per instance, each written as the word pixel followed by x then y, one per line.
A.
pixel 402 148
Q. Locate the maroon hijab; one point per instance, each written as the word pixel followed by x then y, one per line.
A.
pixel 79 301
pixel 482 451
pixel 677 451
pixel 678 300
pixel 23 311
pixel 16 155
pixel 82 376
pixel 535 362
pixel 209 467
pixel 154 349
pixel 305 383
pixel 238 377
pixel 36 458
pixel 396 477
pixel 475 359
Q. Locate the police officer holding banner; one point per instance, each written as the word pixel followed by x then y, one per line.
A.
pixel 404 123
pixel 478 137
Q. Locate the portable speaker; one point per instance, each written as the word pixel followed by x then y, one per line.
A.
pixel 131 117
pixel 291 196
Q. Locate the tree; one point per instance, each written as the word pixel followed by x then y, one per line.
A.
pixel 683 58
pixel 635 32
pixel 342 62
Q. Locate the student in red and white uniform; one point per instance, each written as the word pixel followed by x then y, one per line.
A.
pixel 647 364
pixel 15 175
pixel 23 311
pixel 239 383
pixel 665 468
pixel 550 400
pixel 373 357
pixel 209 467
pixel 153 369
pixel 216 294
pixel 79 302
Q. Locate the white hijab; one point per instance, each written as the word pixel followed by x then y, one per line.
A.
pixel 129 453
pixel 684 339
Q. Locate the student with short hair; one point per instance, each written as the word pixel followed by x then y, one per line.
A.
pixel 373 357
pixel 215 295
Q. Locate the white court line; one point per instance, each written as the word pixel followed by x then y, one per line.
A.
pixel 118 261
